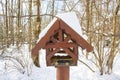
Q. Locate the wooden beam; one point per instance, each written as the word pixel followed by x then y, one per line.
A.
pixel 76 51
pixel 70 53
pixel 60 45
pixel 67 38
pixel 53 39
pixel 60 35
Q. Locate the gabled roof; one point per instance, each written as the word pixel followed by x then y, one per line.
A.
pixel 70 19
pixel 69 28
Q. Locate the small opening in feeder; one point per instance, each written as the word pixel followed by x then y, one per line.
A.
pixel 61 51
pixel 72 49
pixel 70 41
pixel 54 48
pixel 61 59
pixel 56 36
pixel 51 49
pixel 50 41
pixel 65 35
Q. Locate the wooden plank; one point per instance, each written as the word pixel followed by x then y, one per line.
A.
pixel 60 45
pixel 60 35
pixel 76 51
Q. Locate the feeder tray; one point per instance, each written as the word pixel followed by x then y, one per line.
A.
pixel 61 61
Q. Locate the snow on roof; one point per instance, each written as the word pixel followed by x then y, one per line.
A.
pixel 44 31
pixel 70 19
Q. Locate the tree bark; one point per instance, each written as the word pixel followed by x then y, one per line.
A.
pixel 6 23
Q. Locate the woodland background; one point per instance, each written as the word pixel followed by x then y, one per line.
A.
pixel 21 22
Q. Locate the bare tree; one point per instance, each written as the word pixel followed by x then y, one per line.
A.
pixel 113 48
pixel 37 31
pixel 6 8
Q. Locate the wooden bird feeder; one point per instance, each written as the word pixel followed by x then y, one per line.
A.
pixel 61 44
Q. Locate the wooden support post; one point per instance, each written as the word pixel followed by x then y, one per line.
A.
pixel 62 73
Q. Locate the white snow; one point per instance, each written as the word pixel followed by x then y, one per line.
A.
pixel 61 54
pixel 71 19
pixel 44 31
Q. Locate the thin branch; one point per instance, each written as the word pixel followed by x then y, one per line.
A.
pixel 74 5
pixel 86 65
pixel 67 5
pixel 24 16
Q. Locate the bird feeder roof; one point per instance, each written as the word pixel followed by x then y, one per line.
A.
pixel 67 22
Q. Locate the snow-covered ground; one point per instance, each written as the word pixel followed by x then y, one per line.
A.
pixel 31 72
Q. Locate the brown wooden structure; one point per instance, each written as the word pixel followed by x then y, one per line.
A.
pixel 61 43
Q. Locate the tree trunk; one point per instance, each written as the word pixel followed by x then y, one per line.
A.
pixel 112 54
pixel 29 25
pixel 6 24
pixel 37 32
pixel 18 24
